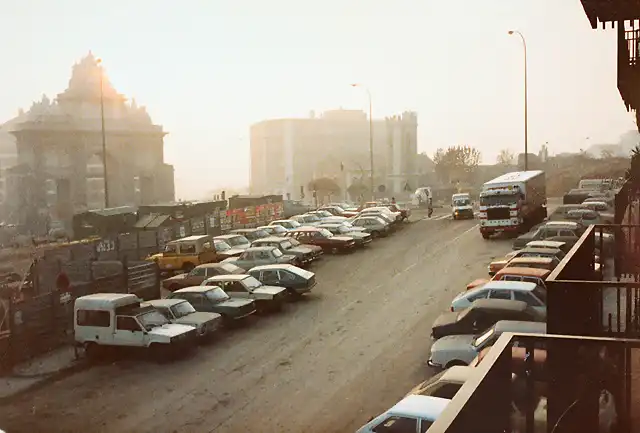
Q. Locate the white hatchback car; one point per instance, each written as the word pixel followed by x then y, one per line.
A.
pixel 414 413
pixel 531 293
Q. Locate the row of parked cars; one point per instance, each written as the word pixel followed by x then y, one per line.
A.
pixel 228 278
pixel 512 298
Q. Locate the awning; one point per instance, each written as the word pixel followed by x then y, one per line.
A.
pixel 151 221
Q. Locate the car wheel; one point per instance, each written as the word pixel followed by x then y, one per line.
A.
pixel 375 234
pixel 334 250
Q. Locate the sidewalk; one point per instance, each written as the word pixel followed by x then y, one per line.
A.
pixel 39 372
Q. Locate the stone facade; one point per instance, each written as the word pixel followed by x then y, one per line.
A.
pixel 286 154
pixel 59 168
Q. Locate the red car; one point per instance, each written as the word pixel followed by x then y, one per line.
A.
pixel 323 238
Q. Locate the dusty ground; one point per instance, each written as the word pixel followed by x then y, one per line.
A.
pixel 326 364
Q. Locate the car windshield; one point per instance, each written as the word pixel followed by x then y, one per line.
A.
pixel 478 342
pixel 278 229
pixel 237 240
pixel 276 253
pixel 260 234
pixel 221 246
pixel 311 218
pixel 323 213
pixel 540 293
pixel 182 309
pixel 498 200
pixel 286 245
pixel 216 295
pixel 152 319
pixel 342 229
pixel 347 224
pixel 326 233
pixel 251 283
pixel 462 202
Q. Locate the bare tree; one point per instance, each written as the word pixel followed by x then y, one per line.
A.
pixel 506 157
pixel 456 163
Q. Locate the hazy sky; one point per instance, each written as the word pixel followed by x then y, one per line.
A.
pixel 208 69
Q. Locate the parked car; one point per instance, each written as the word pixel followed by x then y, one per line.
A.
pixel 237 242
pixel 225 250
pixel 360 237
pixel 333 210
pixel 199 274
pixel 214 300
pixel 563 246
pixel 514 290
pixel 304 254
pixel 585 217
pixel 444 384
pixel 564 231
pixel 606 214
pixel 274 230
pixel 267 298
pixel 335 220
pixel 251 234
pixel 256 256
pixel 482 314
pixel 548 263
pixel 322 214
pixel 185 254
pixel 463 349
pixel 531 275
pixel 415 413
pixel 307 220
pixel 118 320
pixel 287 224
pixel 560 212
pixel 182 312
pixel 388 218
pixel 296 280
pixel 324 239
pixel 496 265
pixel 373 225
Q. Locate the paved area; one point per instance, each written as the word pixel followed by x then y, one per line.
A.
pixel 326 363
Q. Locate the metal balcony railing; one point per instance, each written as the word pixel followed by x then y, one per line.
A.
pixel 549 383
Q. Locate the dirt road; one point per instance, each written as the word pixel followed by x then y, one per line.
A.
pixel 325 364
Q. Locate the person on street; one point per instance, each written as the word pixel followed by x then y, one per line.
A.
pixel 430 204
pixel 393 200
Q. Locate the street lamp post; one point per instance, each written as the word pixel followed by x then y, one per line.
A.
pixel 526 136
pixel 104 136
pixel 373 196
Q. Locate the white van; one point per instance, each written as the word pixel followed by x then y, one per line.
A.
pixel 461 206
pixel 118 319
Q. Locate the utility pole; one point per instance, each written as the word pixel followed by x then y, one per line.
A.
pixel 526 135
pixel 104 136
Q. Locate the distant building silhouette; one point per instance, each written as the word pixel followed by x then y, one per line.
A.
pixel 59 167
pixel 288 153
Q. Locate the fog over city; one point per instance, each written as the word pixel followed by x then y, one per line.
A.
pixel 207 71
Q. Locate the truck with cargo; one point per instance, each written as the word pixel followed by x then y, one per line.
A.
pixel 513 203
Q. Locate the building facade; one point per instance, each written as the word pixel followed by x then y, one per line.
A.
pixel 59 169
pixel 287 154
